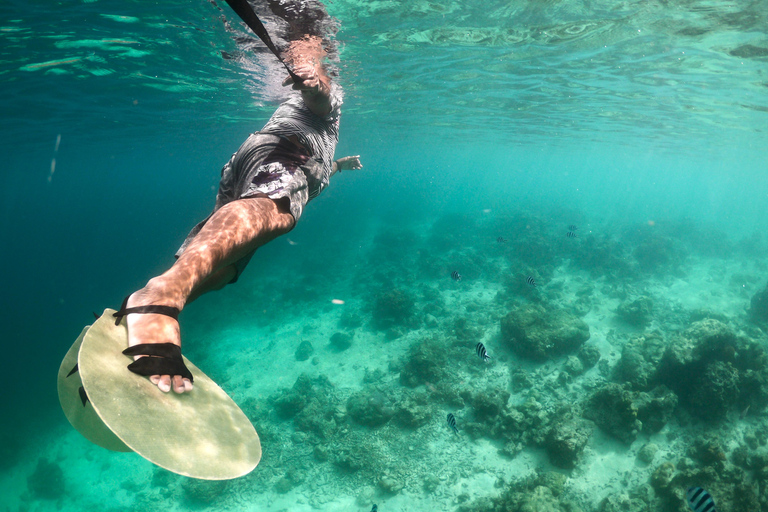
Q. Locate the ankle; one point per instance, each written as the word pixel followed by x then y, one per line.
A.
pixel 160 292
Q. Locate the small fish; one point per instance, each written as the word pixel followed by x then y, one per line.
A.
pixel 501 240
pixel 481 352
pixel 455 276
pixel 700 500
pixel 571 234
pixel 452 424
pixel 531 281
pixel 375 508
pixel 572 227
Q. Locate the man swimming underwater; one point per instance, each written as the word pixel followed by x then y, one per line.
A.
pixel 262 193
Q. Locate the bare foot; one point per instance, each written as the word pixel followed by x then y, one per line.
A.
pixel 155 328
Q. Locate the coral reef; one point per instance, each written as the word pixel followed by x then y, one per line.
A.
pixel 312 405
pixel 613 410
pixel 566 440
pixel 647 452
pixel 758 306
pixel 537 333
pixel 640 358
pixel 46 481
pixel 341 341
pixel 542 492
pixel 392 310
pixel 698 365
pixel 414 410
pixel 204 492
pixel 637 312
pixel 304 351
pixel 370 407
pixel 425 363
pixel 589 355
pixel 655 408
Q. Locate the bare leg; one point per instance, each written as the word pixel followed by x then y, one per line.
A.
pixel 232 232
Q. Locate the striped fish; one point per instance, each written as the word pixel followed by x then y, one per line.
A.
pixel 452 423
pixel 572 227
pixel 700 500
pixel 455 276
pixel 375 508
pixel 531 281
pixel 481 352
pixel 501 240
pixel 570 234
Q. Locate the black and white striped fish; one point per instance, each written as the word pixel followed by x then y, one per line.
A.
pixel 455 276
pixel 531 281
pixel 571 234
pixel 481 352
pixel 572 227
pixel 700 500
pixel 452 423
pixel 501 240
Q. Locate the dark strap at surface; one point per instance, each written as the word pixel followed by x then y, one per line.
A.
pixel 160 310
pixel 83 396
pixel 73 370
pixel 162 359
pixel 243 9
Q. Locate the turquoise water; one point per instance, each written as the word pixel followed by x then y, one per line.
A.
pixel 642 123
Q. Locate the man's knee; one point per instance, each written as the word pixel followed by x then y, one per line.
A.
pixel 276 217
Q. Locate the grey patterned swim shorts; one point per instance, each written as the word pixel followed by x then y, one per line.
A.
pixel 266 165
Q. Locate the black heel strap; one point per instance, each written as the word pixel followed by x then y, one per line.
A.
pixel 160 310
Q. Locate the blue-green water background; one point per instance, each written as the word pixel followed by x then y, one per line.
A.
pixel 607 113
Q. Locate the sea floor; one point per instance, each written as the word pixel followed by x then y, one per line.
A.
pixel 423 468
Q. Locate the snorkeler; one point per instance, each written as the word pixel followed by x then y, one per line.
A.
pixel 262 193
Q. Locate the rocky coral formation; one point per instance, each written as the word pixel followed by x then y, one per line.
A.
pixel 637 312
pixel 370 408
pixel 304 351
pixel 566 441
pixel 312 404
pixel 425 363
pixel 394 309
pixel 543 492
pixel 340 341
pixel 413 410
pixel 655 408
pixel 758 306
pixel 709 468
pixel 613 409
pixel 46 481
pixel 540 333
pixel 203 492
pixel 698 365
pixel 639 361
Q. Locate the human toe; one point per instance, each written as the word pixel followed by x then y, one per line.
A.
pixel 164 383
pixel 178 384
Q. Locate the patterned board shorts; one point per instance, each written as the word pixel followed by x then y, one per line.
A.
pixel 265 166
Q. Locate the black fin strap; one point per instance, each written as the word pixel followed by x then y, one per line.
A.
pixel 83 396
pixel 160 310
pixel 167 350
pixel 73 370
pixel 163 359
pixel 243 9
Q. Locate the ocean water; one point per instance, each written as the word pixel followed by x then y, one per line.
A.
pixel 642 123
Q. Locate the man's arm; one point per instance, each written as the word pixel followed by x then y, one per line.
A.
pixel 347 163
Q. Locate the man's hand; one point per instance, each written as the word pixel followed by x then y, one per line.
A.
pixel 315 88
pixel 311 81
pixel 347 163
